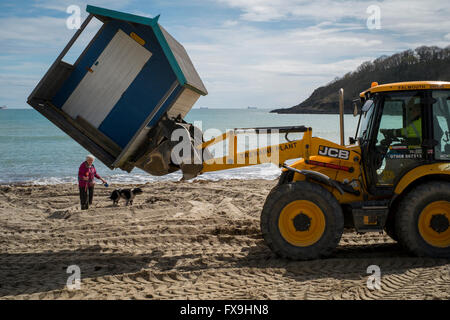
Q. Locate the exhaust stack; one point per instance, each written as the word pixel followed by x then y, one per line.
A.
pixel 341 115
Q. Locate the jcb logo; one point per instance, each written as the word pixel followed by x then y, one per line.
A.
pixel 334 153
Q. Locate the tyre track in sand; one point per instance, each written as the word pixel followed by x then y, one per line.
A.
pixel 196 240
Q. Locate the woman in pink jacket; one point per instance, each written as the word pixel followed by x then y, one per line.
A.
pixel 86 175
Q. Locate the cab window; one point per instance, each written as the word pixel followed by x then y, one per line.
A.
pixel 398 145
pixel 441 124
pixel 367 113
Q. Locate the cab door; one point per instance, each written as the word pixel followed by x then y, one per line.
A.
pixel 106 81
pixel 441 124
pixel 397 138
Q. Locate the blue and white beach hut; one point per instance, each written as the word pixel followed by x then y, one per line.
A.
pixel 128 90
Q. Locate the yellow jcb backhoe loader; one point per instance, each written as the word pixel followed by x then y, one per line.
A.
pixel 393 176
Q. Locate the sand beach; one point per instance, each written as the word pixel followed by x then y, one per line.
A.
pixel 186 240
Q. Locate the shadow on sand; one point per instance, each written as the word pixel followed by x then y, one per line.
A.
pixel 28 273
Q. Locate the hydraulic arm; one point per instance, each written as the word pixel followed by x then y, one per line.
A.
pixel 276 154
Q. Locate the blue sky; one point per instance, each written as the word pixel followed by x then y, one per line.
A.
pixel 264 53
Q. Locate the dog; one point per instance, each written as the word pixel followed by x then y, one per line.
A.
pixel 126 194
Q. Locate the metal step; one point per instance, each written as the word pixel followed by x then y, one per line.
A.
pixel 370 218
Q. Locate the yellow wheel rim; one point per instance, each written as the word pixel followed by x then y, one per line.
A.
pixel 301 223
pixel 433 224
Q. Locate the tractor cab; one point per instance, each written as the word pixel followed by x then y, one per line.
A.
pixel 402 126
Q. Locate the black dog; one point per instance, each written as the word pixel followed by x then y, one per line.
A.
pixel 126 194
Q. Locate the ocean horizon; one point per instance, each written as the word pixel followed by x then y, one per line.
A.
pixel 35 151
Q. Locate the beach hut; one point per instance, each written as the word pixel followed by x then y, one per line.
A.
pixel 129 89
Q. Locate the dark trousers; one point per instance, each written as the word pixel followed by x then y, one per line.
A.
pixel 86 196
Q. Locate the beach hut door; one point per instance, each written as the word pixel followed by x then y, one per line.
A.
pixel 107 79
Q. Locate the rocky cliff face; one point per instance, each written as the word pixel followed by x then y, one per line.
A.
pixel 423 63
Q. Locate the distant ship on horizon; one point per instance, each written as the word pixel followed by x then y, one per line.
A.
pixel 3 107
pixel 204 108
pixel 252 108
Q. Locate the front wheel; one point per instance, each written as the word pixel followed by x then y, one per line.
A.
pixel 390 226
pixel 301 221
pixel 423 220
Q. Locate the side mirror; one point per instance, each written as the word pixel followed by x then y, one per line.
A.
pixel 355 109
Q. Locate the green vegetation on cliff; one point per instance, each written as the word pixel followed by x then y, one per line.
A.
pixel 423 63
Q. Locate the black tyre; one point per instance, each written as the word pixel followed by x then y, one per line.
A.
pixel 286 177
pixel 423 220
pixel 301 221
pixel 389 227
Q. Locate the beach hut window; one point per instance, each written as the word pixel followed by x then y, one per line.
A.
pixel 85 37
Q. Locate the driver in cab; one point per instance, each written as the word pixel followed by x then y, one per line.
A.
pixel 413 129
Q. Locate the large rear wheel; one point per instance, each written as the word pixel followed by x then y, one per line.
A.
pixel 301 221
pixel 423 220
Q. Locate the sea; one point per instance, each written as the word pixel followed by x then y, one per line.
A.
pixel 34 151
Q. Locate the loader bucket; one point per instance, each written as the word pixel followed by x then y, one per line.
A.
pixel 178 150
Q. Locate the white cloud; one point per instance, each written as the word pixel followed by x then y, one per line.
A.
pixel 230 23
pixel 43 29
pixel 396 15
pixel 34 32
pixel 62 5
pixel 269 10
pixel 242 61
pixel 245 65
pixel 304 69
pixel 15 88
pixel 29 46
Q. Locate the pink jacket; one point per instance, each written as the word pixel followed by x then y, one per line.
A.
pixel 88 172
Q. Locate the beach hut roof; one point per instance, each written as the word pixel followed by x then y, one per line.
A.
pixel 176 54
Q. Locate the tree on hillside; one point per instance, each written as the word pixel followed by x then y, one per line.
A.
pixel 423 63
